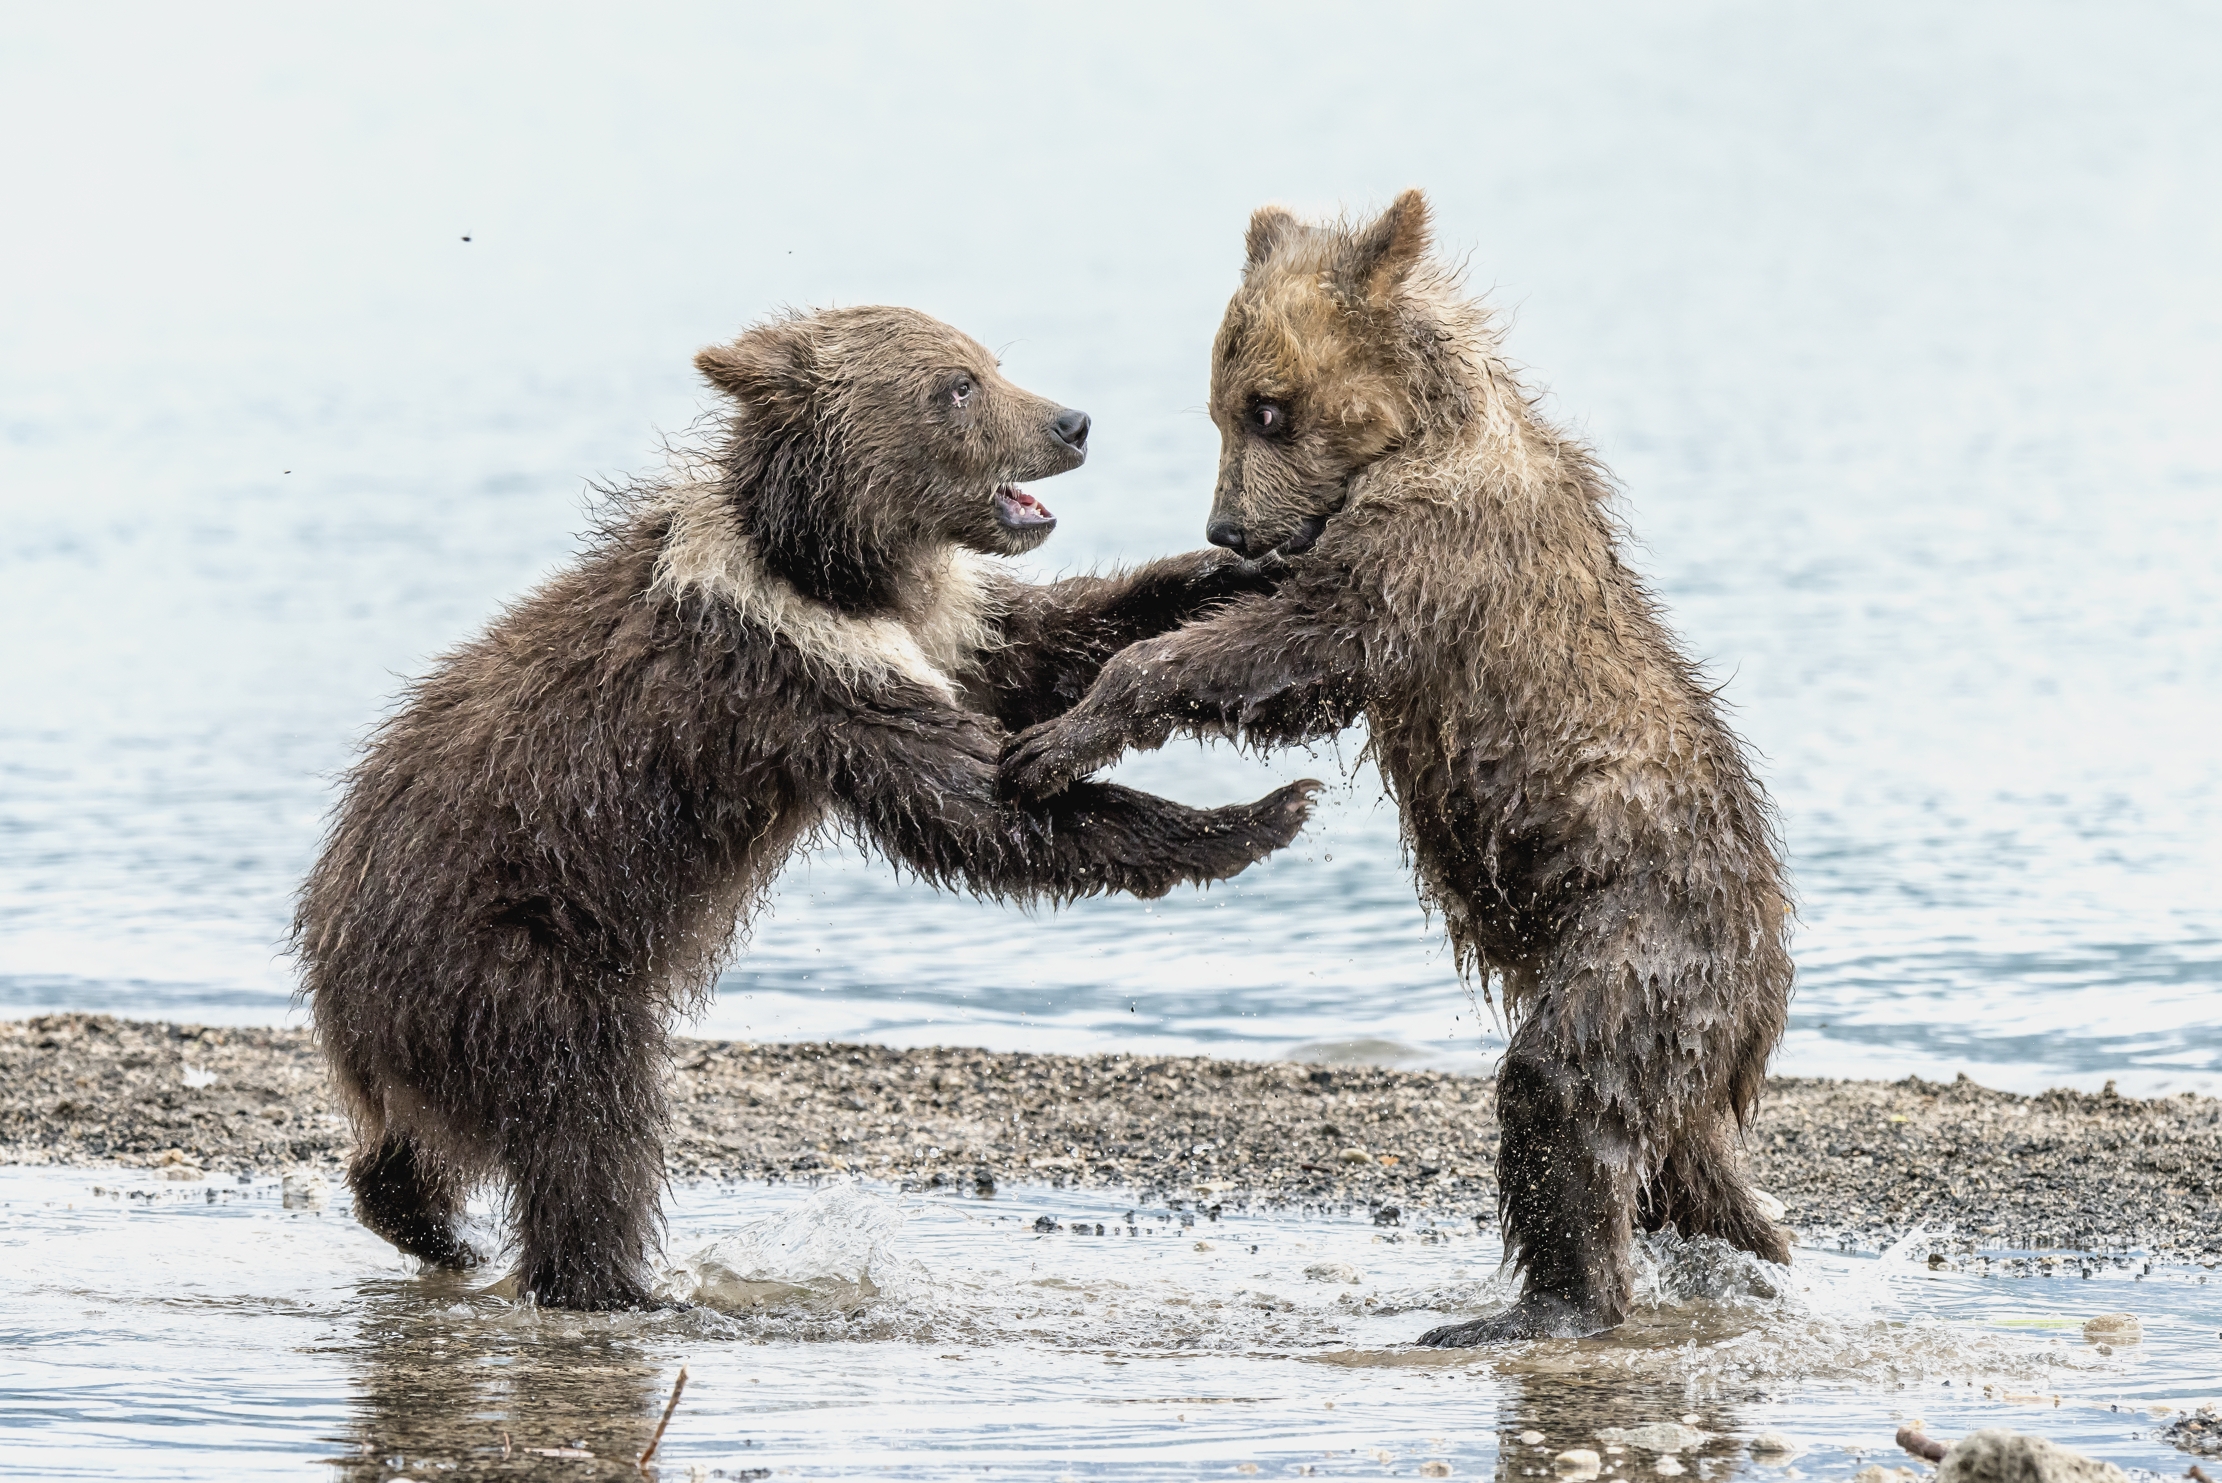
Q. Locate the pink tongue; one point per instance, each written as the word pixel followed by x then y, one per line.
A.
pixel 1025 501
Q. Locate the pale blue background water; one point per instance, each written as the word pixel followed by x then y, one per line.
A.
pixel 1900 324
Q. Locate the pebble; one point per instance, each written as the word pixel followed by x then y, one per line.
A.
pixel 1659 1436
pixel 1530 1438
pixel 95 1089
pixel 303 1189
pixel 1578 1462
pixel 1773 1444
pixel 1876 1473
pixel 1667 1467
pixel 2114 1328
pixel 1333 1272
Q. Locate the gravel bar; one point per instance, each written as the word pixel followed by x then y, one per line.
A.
pixel 1855 1163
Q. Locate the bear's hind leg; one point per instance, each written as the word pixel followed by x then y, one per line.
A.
pixel 410 1198
pixel 585 1208
pixel 1701 1191
pixel 1567 1200
pixel 583 1147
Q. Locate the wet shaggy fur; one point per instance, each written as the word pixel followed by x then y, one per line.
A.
pixel 545 854
pixel 1577 810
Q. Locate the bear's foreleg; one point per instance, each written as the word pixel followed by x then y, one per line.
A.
pixel 1058 636
pixel 921 785
pixel 1270 672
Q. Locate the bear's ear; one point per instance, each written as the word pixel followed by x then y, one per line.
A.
pixel 770 368
pixel 1269 227
pixel 1382 254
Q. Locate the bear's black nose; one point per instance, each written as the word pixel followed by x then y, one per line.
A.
pixel 1225 533
pixel 1071 429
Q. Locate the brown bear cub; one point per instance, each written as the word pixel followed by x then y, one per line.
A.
pixel 546 853
pixel 1577 810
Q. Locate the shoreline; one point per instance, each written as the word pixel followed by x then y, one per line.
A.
pixel 1856 1164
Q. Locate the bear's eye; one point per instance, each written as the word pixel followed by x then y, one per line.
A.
pixel 960 390
pixel 1270 419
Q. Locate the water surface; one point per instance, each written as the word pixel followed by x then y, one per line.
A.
pixel 1899 325
pixel 861 1332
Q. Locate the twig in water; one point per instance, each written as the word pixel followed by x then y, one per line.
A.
pixel 1928 1449
pixel 669 1407
pixel 505 1446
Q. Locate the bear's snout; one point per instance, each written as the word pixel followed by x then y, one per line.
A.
pixel 1070 428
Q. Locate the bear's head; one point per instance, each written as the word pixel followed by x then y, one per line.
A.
pixel 1314 371
pixel 867 438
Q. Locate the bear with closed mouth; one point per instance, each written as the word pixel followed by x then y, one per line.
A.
pixel 545 853
pixel 1579 813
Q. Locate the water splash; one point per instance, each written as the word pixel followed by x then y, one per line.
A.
pixel 831 1253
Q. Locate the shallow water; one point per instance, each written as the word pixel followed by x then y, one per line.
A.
pixel 1899 325
pixel 193 1330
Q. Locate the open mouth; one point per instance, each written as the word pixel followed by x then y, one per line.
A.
pixel 1015 509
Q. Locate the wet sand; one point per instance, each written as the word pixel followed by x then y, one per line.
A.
pixel 1858 1163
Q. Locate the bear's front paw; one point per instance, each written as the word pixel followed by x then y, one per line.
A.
pixel 1043 760
pixel 1224 575
pixel 1282 814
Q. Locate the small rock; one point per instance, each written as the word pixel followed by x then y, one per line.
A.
pixel 2113 1328
pixel 1997 1455
pixel 1203 1246
pixel 1355 1156
pixel 181 1171
pixel 303 1189
pixel 1333 1272
pixel 1667 1467
pixel 1045 1224
pixel 2199 1432
pixel 1876 1473
pixel 1435 1468
pixel 1530 1438
pixel 1769 1206
pixel 1660 1436
pixel 1578 1462
pixel 1773 1446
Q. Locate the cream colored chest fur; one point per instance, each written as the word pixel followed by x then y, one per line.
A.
pixel 947 618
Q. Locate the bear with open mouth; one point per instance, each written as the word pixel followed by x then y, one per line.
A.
pixel 545 854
